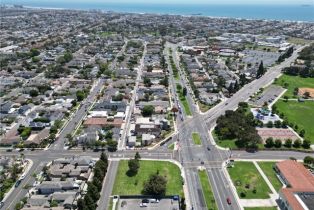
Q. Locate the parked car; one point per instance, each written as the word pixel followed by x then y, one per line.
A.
pixel 17 183
pixel 1 204
pixel 153 200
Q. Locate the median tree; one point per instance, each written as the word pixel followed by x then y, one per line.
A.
pixel 184 91
pixel 261 70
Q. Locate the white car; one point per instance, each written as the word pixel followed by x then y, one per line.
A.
pixel 154 200
pixel 143 205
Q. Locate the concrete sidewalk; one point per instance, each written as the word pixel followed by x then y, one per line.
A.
pixel 257 202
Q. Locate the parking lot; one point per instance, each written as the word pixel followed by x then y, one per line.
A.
pixel 256 56
pixel 268 95
pixel 135 204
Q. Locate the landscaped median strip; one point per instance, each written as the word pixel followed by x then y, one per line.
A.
pixel 207 191
pixel 196 138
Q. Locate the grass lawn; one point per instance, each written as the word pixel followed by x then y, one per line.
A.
pixel 171 146
pixel 299 113
pixel 246 178
pixel 294 82
pixel 196 138
pixel 260 208
pixel 229 143
pixel 207 191
pixel 298 41
pixel 125 185
pixel 186 105
pixel 204 107
pixel 268 170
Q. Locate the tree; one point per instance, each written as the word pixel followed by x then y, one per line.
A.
pixel 269 143
pixel 147 110
pixel 80 95
pixel 286 98
pixel 147 82
pixel 288 143
pixel 81 204
pixel 34 52
pixel 33 93
pixel 260 70
pixel 92 190
pixel 308 160
pixel 174 110
pixel 184 91
pixel 155 186
pixel 297 143
pixel 306 144
pixel 277 124
pixel 104 157
pixel 112 145
pixel 137 156
pixel 278 143
pixel 302 133
pixel 134 165
pixel 270 124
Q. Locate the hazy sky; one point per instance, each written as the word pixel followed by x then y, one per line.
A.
pixel 282 2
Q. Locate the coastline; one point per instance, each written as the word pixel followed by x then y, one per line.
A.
pixel 166 13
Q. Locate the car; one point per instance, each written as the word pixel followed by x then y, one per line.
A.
pixel 229 201
pixel 145 201
pixel 202 162
pixel 17 183
pixel 208 148
pixel 226 104
pixel 22 177
pixel 153 200
pixel 1 204
pixel 143 205
pixel 9 150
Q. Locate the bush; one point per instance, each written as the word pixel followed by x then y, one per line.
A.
pixel 269 143
pixel 243 194
pixel 297 143
pixel 288 143
pixel 278 143
pixel 306 144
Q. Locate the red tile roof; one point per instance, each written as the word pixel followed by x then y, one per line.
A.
pixel 300 179
pixel 102 122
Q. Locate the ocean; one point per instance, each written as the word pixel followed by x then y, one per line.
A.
pixel 268 12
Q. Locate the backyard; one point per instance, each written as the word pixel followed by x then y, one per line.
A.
pixel 133 185
pixel 248 181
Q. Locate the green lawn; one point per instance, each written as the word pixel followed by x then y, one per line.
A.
pixel 246 179
pixel 268 170
pixel 299 113
pixel 125 185
pixel 298 41
pixel 171 146
pixel 207 191
pixel 260 208
pixel 196 138
pixel 229 143
pixel 294 82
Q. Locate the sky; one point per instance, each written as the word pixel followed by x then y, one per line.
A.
pixel 219 2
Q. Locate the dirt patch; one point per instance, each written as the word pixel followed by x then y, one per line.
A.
pixel 302 92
